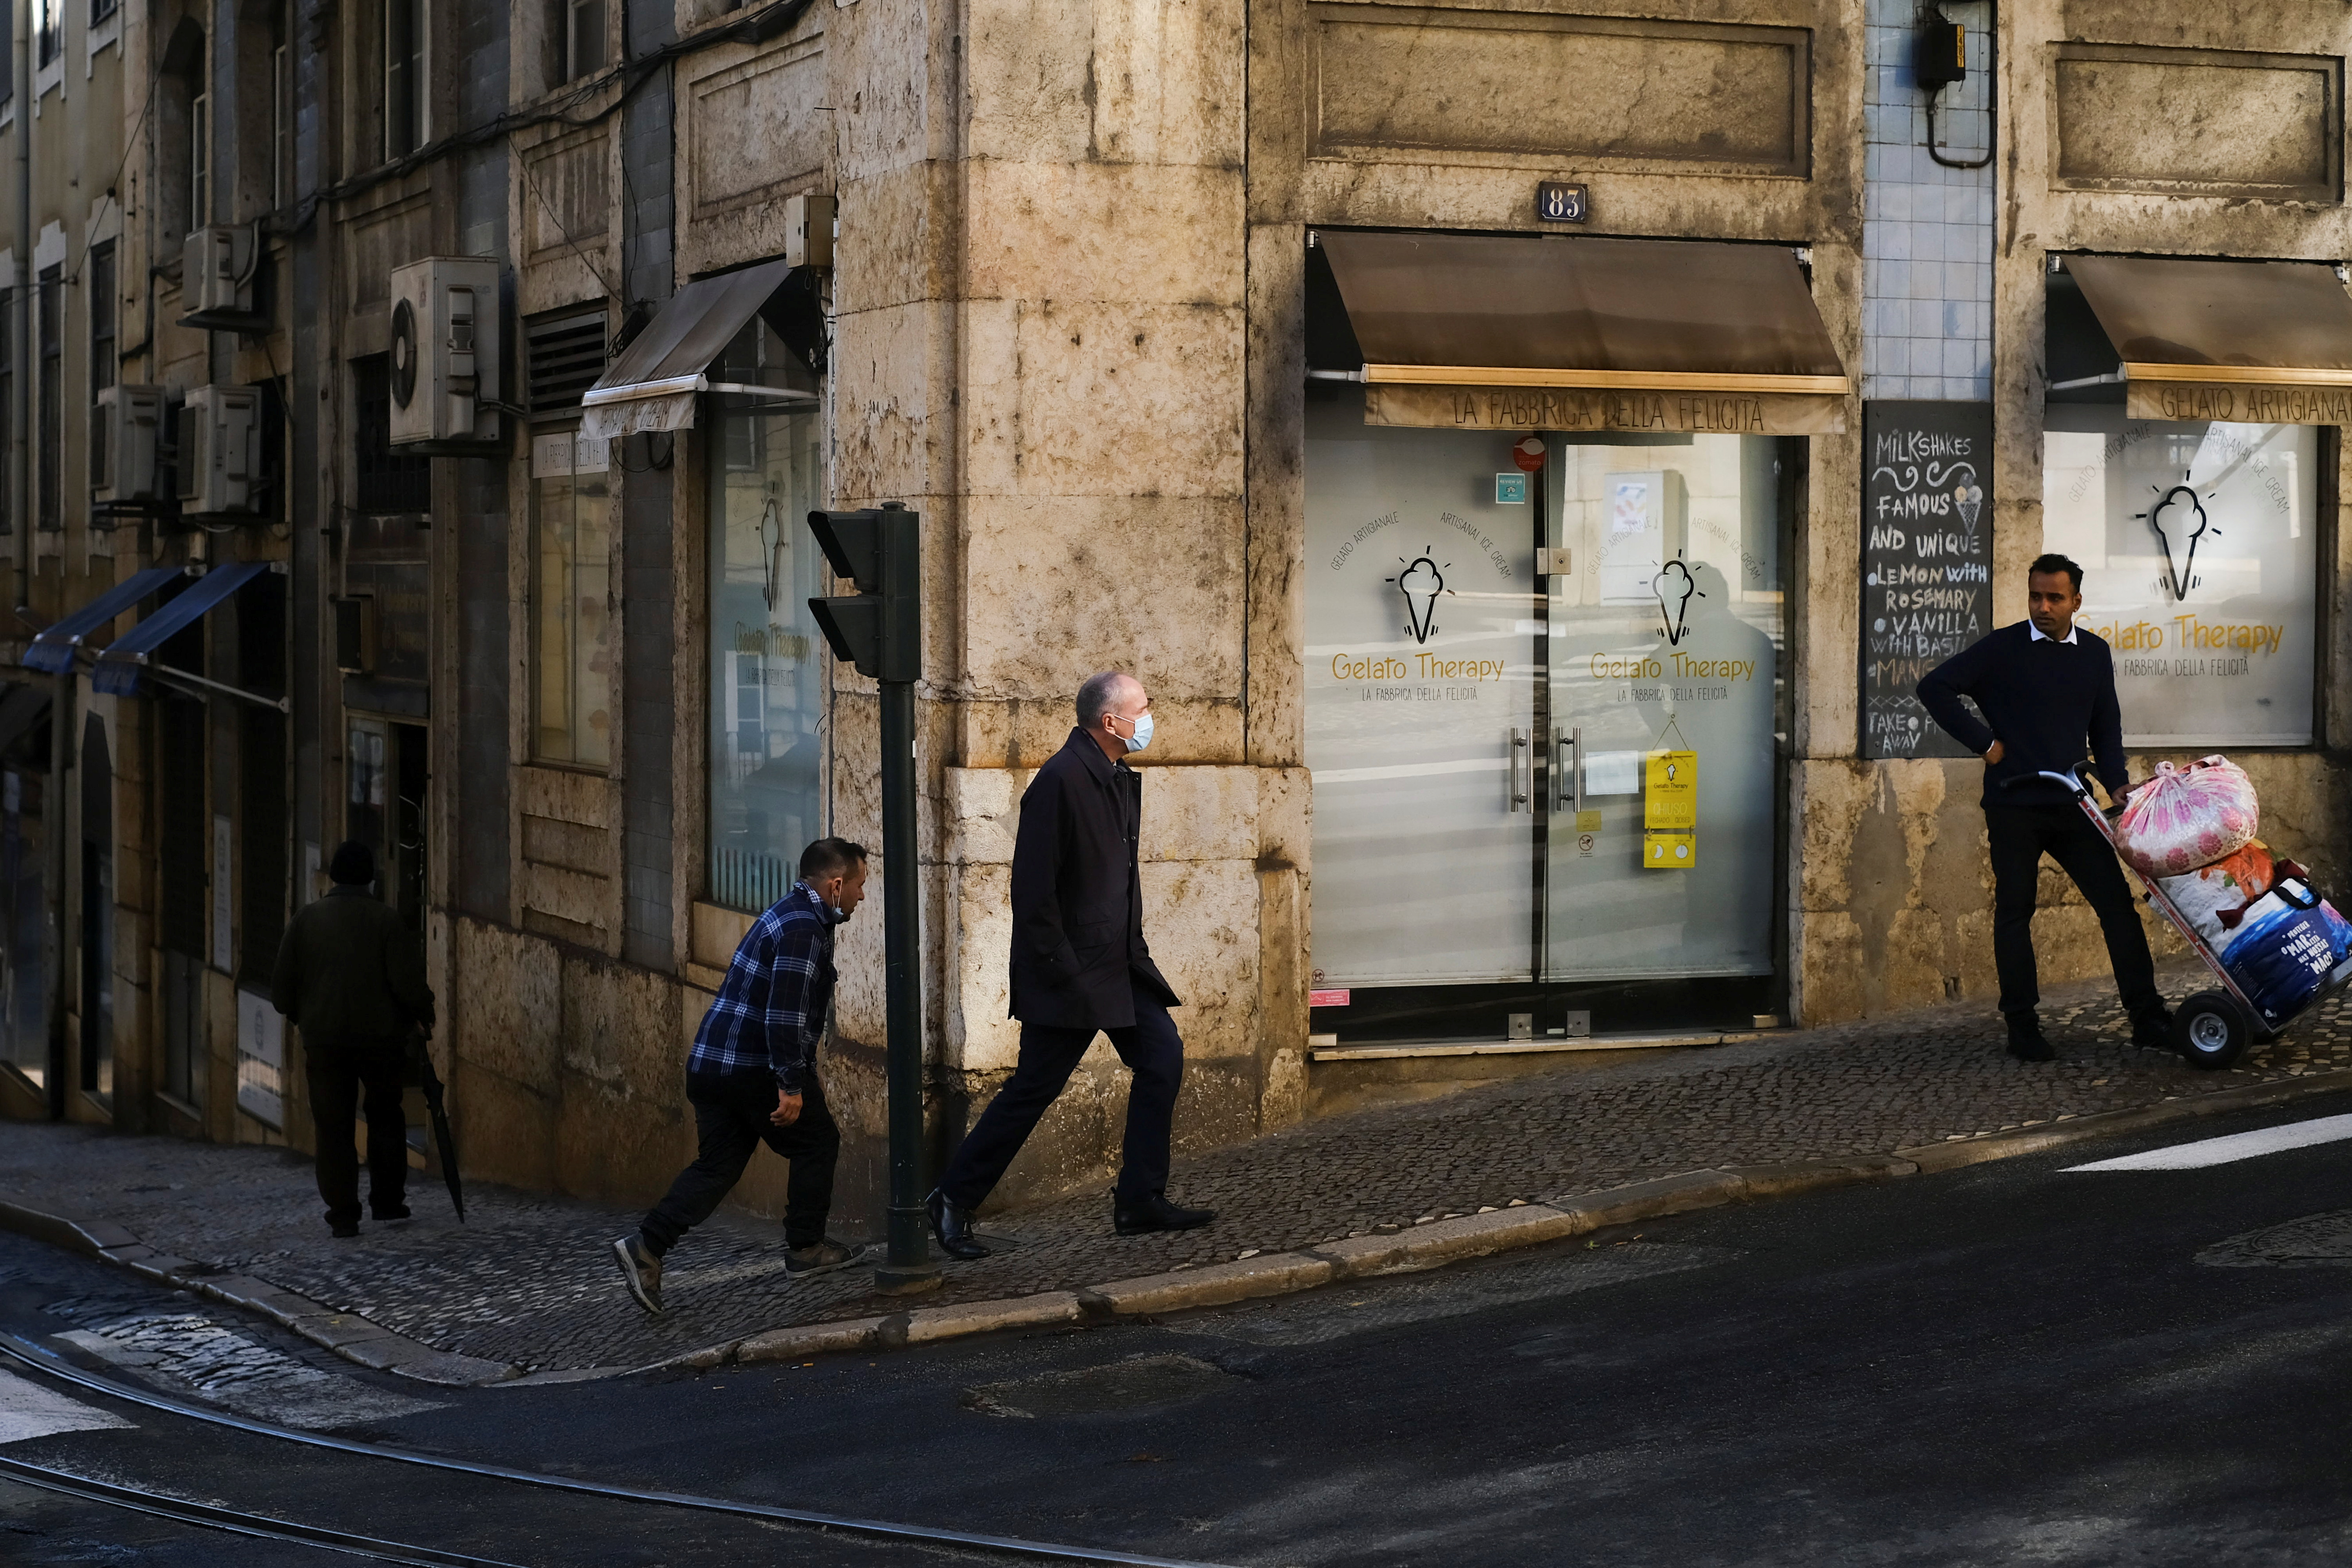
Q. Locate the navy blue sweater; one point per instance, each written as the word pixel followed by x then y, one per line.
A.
pixel 2045 701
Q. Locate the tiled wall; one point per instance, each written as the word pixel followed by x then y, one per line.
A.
pixel 1926 229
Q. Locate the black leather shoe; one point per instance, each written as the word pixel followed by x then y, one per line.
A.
pixel 344 1229
pixel 2026 1041
pixel 2152 1030
pixel 384 1215
pixel 1145 1215
pixel 952 1226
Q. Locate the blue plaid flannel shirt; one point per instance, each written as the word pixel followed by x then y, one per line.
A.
pixel 769 1012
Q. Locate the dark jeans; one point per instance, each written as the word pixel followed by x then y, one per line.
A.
pixel 338 1069
pixel 2019 836
pixel 1152 1051
pixel 731 1120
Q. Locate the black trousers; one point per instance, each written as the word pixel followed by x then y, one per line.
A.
pixel 730 1121
pixel 2019 836
pixel 1153 1052
pixel 339 1071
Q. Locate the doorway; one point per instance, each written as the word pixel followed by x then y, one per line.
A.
pixel 97 914
pixel 385 809
pixel 1547 721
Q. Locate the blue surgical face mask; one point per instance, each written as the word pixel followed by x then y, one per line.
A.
pixel 1143 736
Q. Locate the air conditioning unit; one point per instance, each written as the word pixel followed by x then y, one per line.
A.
pixel 445 352
pixel 216 270
pixel 220 450
pixel 124 439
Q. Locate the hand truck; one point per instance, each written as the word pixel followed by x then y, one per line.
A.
pixel 2210 1028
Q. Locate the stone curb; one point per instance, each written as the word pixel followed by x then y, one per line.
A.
pixel 1410 1248
pixel 1955 1153
pixel 1440 1242
pixel 348 1335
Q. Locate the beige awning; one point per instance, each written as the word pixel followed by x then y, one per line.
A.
pixel 653 385
pixel 1577 333
pixel 2264 343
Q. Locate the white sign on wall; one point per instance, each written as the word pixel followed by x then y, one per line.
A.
pixel 260 1059
pixel 221 955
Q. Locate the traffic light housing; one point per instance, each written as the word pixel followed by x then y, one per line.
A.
pixel 880 628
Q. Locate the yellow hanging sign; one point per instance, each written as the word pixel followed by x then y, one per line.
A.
pixel 1670 811
pixel 1669 851
pixel 1670 793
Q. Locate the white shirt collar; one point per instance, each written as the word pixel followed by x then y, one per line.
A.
pixel 2038 635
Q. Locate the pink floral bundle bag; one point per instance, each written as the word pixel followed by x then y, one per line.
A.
pixel 2187 818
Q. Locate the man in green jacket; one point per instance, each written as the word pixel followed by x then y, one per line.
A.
pixel 350 978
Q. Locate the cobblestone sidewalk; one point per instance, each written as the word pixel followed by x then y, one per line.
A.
pixel 529 1280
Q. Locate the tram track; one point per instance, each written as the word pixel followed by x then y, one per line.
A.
pixel 48 1363
pixel 207 1516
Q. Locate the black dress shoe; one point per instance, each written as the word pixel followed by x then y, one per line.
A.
pixel 952 1226
pixel 384 1215
pixel 2026 1041
pixel 2152 1030
pixel 1144 1215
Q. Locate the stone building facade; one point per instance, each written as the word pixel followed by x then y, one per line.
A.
pixel 1165 318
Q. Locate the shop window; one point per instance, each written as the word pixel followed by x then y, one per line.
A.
pixel 768 663
pixel 572 633
pixel 1483 738
pixel 2200 548
pixel 49 301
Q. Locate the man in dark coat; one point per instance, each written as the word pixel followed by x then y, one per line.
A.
pixel 1080 967
pixel 2047 690
pixel 350 978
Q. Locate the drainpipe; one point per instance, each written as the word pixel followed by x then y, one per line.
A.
pixel 20 427
pixel 20 510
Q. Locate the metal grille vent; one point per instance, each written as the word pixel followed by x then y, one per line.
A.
pixel 567 355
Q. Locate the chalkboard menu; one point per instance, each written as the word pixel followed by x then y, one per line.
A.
pixel 1926 561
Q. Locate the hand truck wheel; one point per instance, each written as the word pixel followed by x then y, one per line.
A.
pixel 2210 1030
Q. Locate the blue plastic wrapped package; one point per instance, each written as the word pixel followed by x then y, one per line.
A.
pixel 2289 943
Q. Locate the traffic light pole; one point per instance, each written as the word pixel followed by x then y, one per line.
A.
pixel 909 1268
pixel 880 630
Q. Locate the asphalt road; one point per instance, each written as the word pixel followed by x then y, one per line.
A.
pixel 2012 1363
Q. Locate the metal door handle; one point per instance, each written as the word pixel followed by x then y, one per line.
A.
pixel 1568 769
pixel 1521 756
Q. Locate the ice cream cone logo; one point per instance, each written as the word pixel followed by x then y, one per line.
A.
pixel 1967 499
pixel 1420 582
pixel 2180 522
pixel 1675 585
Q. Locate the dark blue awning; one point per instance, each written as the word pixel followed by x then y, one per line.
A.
pixel 53 649
pixel 118 667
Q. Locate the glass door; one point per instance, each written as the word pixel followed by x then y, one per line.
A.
pixel 1543 804
pixel 1420 698
pixel 1666 625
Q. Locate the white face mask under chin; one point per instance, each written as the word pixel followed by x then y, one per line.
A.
pixel 1141 735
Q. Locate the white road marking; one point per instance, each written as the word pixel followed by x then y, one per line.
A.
pixel 2234 1146
pixel 28 1410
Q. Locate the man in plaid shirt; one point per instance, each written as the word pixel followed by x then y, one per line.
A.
pixel 751 1078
